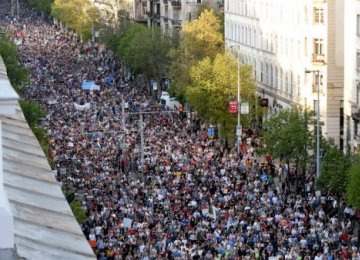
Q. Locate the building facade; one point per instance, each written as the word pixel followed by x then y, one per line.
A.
pixel 117 13
pixel 352 74
pixel 295 45
pixel 172 14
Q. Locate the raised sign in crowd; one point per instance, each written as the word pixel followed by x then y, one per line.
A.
pixel 190 198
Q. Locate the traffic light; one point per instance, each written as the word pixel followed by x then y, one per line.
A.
pixel 264 102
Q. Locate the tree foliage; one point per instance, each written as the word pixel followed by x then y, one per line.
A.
pixel 202 37
pixel 148 56
pixel 113 12
pixel 213 84
pixel 334 170
pixel 42 5
pixel 199 39
pixel 288 135
pixel 353 184
pixel 15 72
pixel 32 111
pixel 79 15
pixel 78 212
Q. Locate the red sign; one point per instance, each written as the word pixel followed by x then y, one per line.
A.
pixel 233 107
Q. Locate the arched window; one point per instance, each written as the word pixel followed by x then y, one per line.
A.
pixel 280 79
pixel 254 65
pixel 245 39
pixel 266 74
pixel 276 77
pixel 236 32
pixel 271 76
pixel 262 72
pixel 287 83
pixel 254 39
pixel 292 83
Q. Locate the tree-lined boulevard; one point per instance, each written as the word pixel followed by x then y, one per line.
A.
pixel 193 196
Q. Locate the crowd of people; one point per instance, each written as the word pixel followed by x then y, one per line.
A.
pixel 190 198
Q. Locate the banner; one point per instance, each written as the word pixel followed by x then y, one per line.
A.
pixel 52 102
pixel 78 107
pixel 127 222
pixel 89 85
pixel 109 79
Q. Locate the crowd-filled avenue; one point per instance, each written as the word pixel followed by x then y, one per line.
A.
pixel 189 198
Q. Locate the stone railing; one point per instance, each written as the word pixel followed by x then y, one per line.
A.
pixel 8 103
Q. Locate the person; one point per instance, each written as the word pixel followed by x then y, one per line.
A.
pixel 189 198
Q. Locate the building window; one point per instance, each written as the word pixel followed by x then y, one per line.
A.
pixel 305 47
pixel 358 93
pixel 316 79
pixel 358 24
pixel 358 61
pixel 318 15
pixel 318 54
pixel 318 46
pixel 356 129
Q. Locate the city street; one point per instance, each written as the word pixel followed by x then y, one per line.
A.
pixel 189 198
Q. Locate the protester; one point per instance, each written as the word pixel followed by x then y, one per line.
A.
pixel 190 198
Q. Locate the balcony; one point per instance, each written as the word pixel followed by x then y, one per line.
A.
pixel 157 17
pixel 176 23
pixel 176 3
pixel 318 59
pixel 149 14
pixel 220 4
pixel 355 113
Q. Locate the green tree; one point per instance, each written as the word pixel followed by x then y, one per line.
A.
pixel 148 56
pixel 353 184
pixel 42 5
pixel 32 111
pixel 78 211
pixel 288 136
pixel 207 7
pixel 79 15
pixel 15 72
pixel 125 42
pixel 334 170
pixel 214 84
pixel 199 39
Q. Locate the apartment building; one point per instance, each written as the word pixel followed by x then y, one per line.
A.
pixel 352 74
pixel 296 45
pixel 116 13
pixel 172 14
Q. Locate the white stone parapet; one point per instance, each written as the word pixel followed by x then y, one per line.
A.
pixel 6 217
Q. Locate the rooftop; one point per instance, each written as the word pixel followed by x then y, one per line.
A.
pixel 44 225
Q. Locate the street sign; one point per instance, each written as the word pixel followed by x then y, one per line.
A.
pixel 154 84
pixel 239 130
pixel 233 107
pixel 244 108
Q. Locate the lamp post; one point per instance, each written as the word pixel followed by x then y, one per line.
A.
pixel 317 73
pixel 238 95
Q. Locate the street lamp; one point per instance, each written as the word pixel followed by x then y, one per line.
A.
pixel 238 97
pixel 317 73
